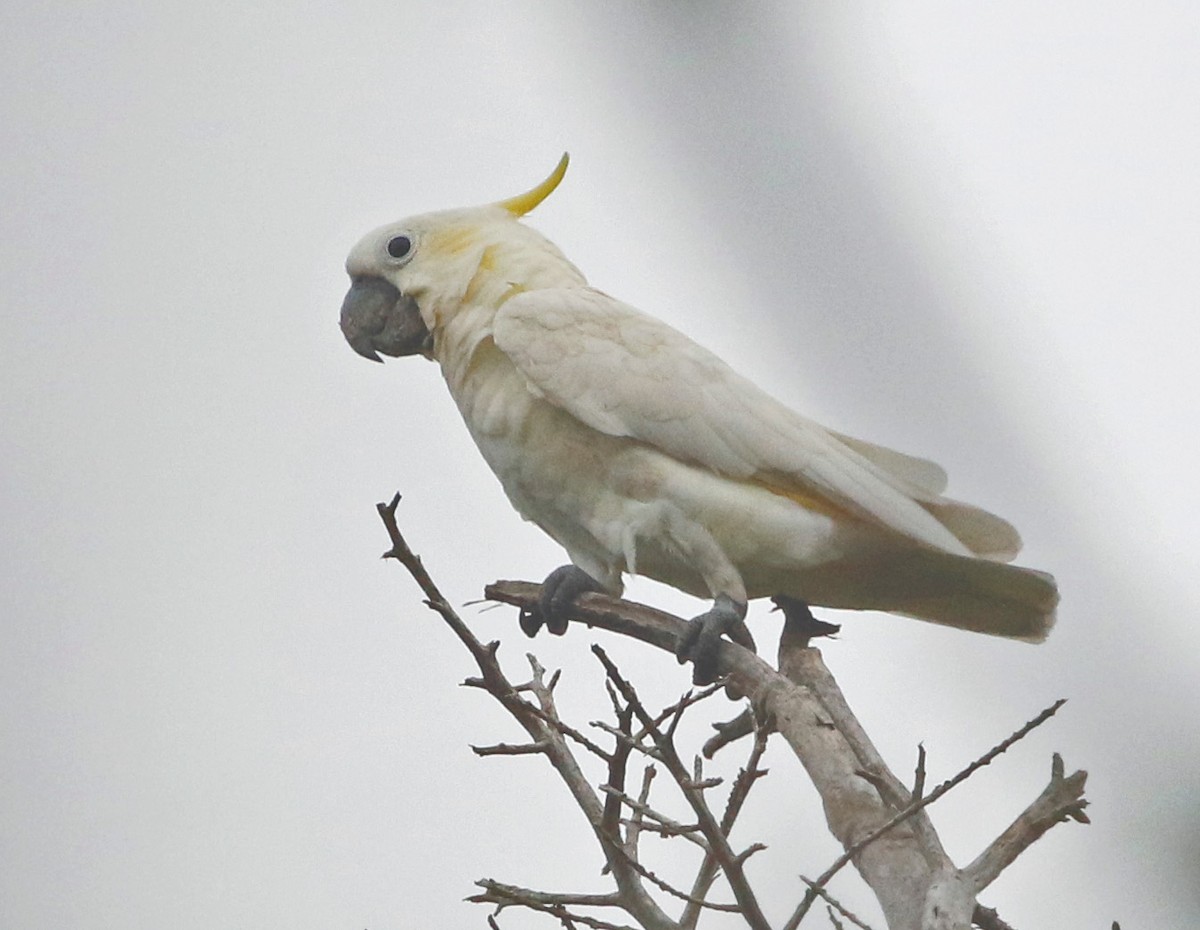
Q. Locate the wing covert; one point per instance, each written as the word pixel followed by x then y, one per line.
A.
pixel 628 374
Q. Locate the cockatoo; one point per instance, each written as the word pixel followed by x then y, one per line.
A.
pixel 640 452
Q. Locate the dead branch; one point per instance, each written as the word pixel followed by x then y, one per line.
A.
pixel 556 905
pixel 882 826
pixel 633 832
pixel 692 788
pixel 803 701
pixel 904 861
pixel 836 906
pixel 707 873
pixel 729 731
pixel 508 749
pixel 663 885
pixel 1061 800
pixel 939 791
pixel 634 898
pixel 618 761
pixel 986 918
pixel 655 821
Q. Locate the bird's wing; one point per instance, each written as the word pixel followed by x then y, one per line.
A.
pixel 922 475
pixel 627 374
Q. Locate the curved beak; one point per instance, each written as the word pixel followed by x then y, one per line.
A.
pixel 378 318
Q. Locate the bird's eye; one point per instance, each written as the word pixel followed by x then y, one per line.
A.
pixel 399 246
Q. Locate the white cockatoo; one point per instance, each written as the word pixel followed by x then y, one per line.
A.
pixel 641 452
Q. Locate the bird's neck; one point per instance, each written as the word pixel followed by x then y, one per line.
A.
pixel 458 342
pixel 462 323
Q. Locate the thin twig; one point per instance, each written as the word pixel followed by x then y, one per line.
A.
pixel 689 698
pixel 684 896
pixel 853 850
pixel 745 780
pixel 628 739
pixel 570 732
pixel 729 863
pixel 650 819
pixel 633 897
pixel 618 760
pixel 401 552
pixel 633 832
pixel 495 892
pixel 546 903
pixel 653 877
pixel 919 777
pixel 508 749
pixel 836 905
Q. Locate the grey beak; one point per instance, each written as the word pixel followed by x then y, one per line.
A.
pixel 378 318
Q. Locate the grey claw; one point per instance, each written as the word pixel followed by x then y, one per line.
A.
pixel 559 591
pixel 701 640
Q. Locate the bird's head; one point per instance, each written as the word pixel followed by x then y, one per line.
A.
pixel 410 278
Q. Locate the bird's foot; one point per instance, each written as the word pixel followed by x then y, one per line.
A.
pixel 700 641
pixel 799 619
pixel 559 591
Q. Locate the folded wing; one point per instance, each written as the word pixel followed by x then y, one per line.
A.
pixel 628 374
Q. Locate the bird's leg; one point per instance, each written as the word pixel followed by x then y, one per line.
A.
pixel 703 635
pixel 559 591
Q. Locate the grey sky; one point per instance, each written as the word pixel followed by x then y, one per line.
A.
pixel 970 233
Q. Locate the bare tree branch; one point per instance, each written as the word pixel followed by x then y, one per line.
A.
pixel 881 824
pixel 689 699
pixel 499 893
pixel 692 792
pixel 939 791
pixel 986 918
pixel 507 749
pixel 634 898
pixel 633 832
pixel 737 797
pixel 556 905
pixel 617 763
pixel 836 905
pixel 729 731
pixel 918 790
pixel 1061 800
pixel 655 821
pixel 662 884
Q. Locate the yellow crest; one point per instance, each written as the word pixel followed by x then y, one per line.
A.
pixel 523 203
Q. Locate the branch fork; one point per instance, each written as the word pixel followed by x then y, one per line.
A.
pixel 883 825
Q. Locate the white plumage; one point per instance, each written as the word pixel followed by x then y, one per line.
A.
pixel 641 452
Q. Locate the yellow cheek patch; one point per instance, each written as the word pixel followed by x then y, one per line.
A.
pixel 452 241
pixel 487 263
pixel 484 275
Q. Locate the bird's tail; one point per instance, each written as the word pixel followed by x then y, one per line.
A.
pixel 959 591
pixel 980 595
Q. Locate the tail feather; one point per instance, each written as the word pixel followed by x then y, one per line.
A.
pixel 982 596
pixel 984 533
pixel 953 590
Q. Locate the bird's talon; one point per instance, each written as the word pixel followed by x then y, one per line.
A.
pixel 530 621
pixel 701 640
pixel 559 591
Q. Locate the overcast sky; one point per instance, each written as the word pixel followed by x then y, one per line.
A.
pixel 967 231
